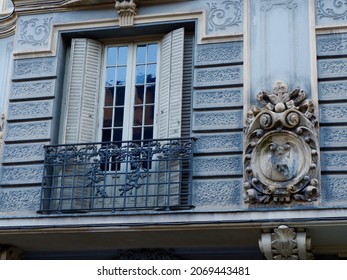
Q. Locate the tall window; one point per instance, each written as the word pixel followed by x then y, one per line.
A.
pixel 130 92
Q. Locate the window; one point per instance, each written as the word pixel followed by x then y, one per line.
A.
pixel 125 103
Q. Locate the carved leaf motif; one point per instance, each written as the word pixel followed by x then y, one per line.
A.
pixel 284 243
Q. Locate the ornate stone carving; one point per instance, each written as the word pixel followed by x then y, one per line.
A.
pixel 34 68
pixel 217 165
pixel 220 143
pixel 330 45
pixel 333 136
pixel 28 131
pixel 336 9
pixel 35 31
pixel 228 75
pixel 217 120
pixel 33 89
pixel 285 244
pixel 127 11
pixel 332 90
pixel 330 68
pixel 20 199
pixel 335 192
pixel 23 153
pixel 30 110
pixel 21 175
pixel 267 5
pixel 281 160
pixel 230 14
pixel 218 98
pixel 331 113
pixel 147 254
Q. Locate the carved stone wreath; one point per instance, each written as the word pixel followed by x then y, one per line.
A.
pixel 281 160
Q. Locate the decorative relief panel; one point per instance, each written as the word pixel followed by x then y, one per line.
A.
pixel 219 53
pixel 218 165
pixel 284 135
pixel 23 153
pixel 231 142
pixel 331 113
pixel 217 193
pixel 331 68
pixel 217 76
pixel 218 98
pixel 34 68
pixel 334 161
pixel 335 44
pixel 147 254
pixel 21 175
pixel 334 90
pixel 335 192
pixel 30 110
pixel 14 200
pixel 333 136
pixel 331 11
pixel 28 131
pixel 32 89
pixel 225 16
pixel 217 120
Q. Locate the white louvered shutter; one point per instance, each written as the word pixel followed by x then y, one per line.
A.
pixel 170 111
pixel 81 116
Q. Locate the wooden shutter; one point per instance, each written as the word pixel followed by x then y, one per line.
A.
pixel 81 118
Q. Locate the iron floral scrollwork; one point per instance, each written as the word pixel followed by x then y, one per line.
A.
pixel 221 18
pixel 34 32
pixel 338 10
pixel 281 161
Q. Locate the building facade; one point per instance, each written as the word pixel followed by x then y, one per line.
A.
pixel 171 129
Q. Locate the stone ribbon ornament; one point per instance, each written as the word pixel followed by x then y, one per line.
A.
pixel 281 159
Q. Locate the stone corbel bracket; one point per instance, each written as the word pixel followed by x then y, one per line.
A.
pixel 126 9
pixel 285 243
pixel 281 159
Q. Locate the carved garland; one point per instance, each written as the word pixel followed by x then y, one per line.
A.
pixel 281 161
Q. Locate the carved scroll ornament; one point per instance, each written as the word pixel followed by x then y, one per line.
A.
pixel 281 161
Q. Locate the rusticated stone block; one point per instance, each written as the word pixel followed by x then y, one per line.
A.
pixel 219 143
pixel 333 113
pixel 210 54
pixel 334 161
pixel 218 98
pixel 218 76
pixel 334 191
pixel 23 153
pixel 333 136
pixel 30 110
pixel 34 68
pixel 216 120
pixel 332 44
pixel 331 68
pixel 218 165
pixel 19 199
pixel 21 175
pixel 217 193
pixel 332 90
pixel 32 89
pixel 28 131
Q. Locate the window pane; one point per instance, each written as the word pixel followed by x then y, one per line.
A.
pixel 122 55
pixel 110 76
pixel 137 133
pixel 152 53
pixel 111 56
pixel 141 54
pixel 106 135
pixel 151 73
pixel 149 114
pixel 137 115
pixel 118 117
pixel 148 133
pixel 107 117
pixel 120 96
pixel 109 96
pixel 140 74
pixel 117 134
pixel 150 94
pixel 121 75
pixel 139 92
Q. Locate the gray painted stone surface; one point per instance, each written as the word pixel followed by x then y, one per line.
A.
pixel 331 68
pixel 333 136
pixel 19 199
pixel 215 120
pixel 30 110
pixel 217 98
pixel 334 190
pixel 21 175
pixel 23 131
pixel 35 68
pixel 215 194
pixel 218 76
pixel 332 90
pixel 334 161
pixel 217 165
pixel 23 153
pixel 212 54
pixel 32 89
pixel 219 143
pixel 332 44
pixel 333 113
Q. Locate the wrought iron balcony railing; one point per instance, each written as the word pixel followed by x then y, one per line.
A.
pixel 116 176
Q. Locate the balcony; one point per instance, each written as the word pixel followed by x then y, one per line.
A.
pixel 117 176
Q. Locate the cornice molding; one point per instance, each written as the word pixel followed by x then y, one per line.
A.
pixel 8 25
